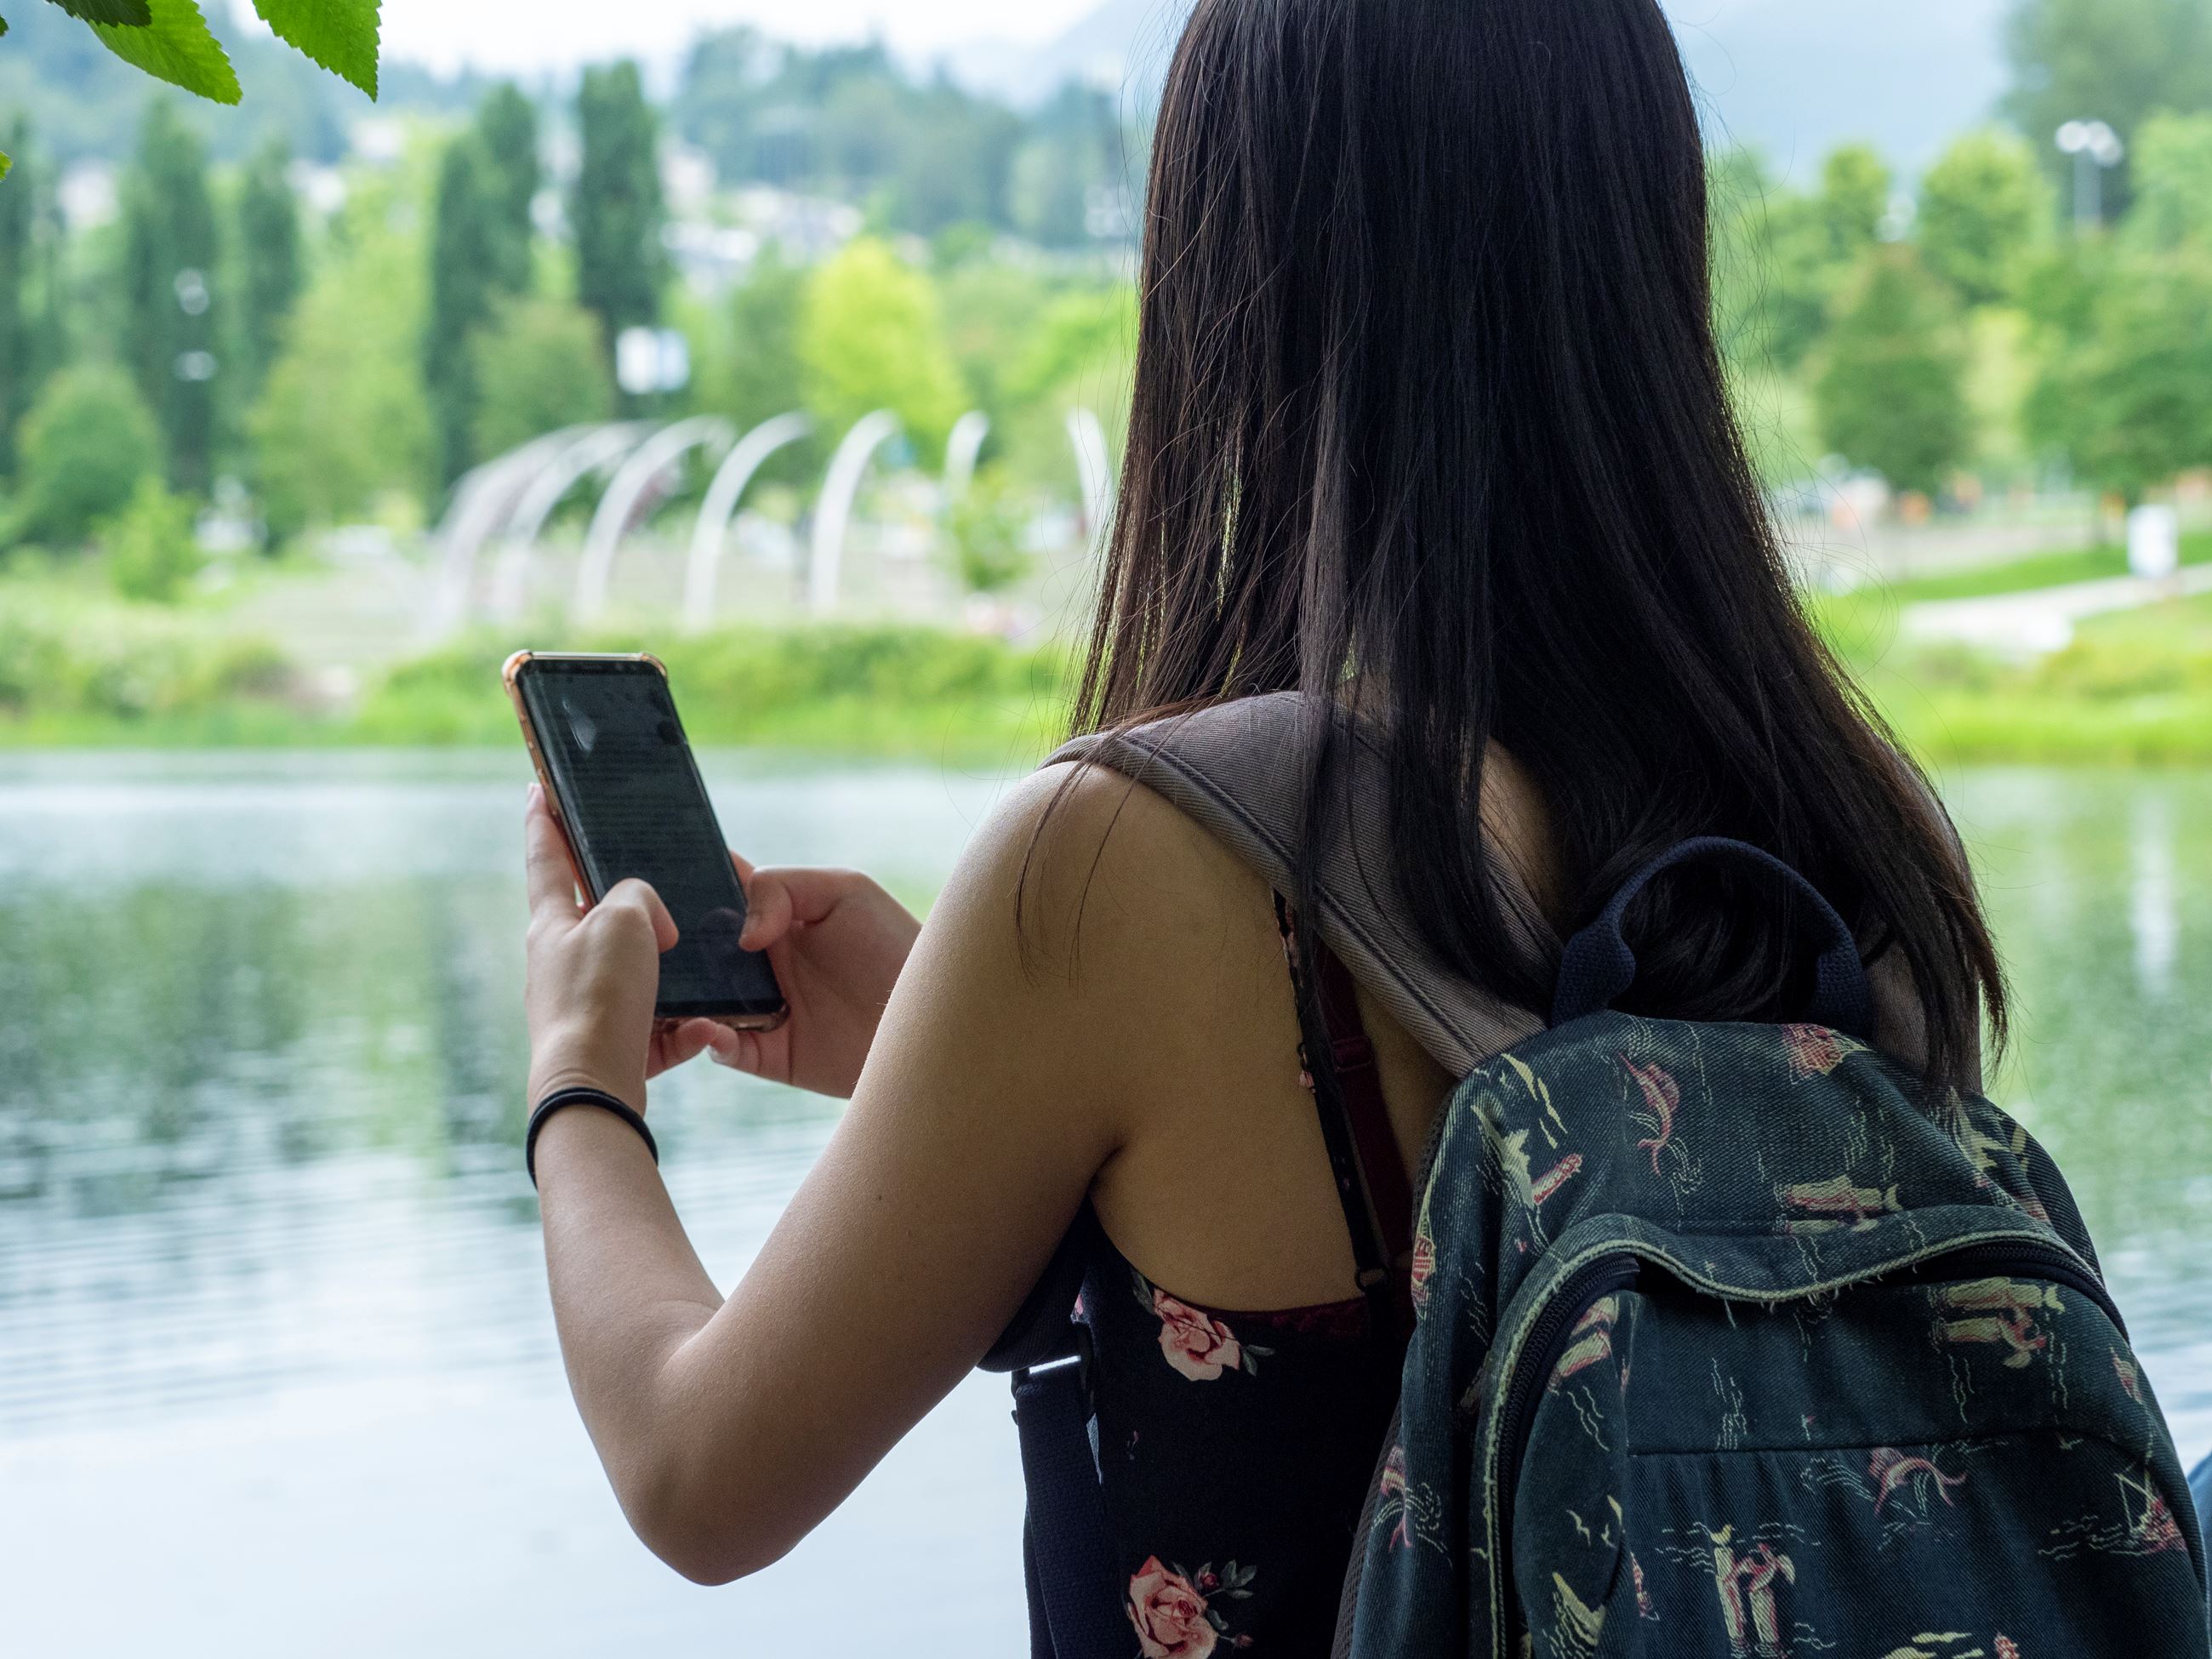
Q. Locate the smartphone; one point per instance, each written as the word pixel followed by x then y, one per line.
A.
pixel 620 778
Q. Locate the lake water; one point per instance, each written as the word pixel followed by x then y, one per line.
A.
pixel 277 1374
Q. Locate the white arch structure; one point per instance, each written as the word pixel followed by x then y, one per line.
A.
pixel 484 499
pixel 961 449
pixel 724 492
pixel 1088 439
pixel 832 513
pixel 640 472
pixel 594 448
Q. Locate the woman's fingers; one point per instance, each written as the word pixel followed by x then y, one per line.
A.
pixel 634 895
pixel 779 899
pixel 684 1041
pixel 551 877
pixel 741 1051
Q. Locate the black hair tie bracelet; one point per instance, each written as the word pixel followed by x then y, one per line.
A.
pixel 561 1098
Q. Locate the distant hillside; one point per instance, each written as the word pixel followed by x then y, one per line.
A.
pixel 1795 77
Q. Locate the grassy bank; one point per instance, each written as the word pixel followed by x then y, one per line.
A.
pixel 80 668
pixel 2135 688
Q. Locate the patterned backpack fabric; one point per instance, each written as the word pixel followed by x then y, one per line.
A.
pixel 1745 1341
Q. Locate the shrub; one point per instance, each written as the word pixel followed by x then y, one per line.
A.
pixel 86 444
pixel 152 551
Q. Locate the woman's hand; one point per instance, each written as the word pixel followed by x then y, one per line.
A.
pixel 837 942
pixel 593 978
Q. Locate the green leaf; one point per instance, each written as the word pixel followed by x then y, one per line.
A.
pixel 339 34
pixel 175 47
pixel 131 14
pixel 4 162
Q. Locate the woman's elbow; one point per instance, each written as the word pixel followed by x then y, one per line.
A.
pixel 709 1536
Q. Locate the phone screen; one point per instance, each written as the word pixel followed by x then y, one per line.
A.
pixel 633 803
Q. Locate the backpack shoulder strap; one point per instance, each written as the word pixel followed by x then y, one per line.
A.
pixel 1238 769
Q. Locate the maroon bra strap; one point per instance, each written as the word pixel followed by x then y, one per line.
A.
pixel 1388 1190
pixel 1338 1068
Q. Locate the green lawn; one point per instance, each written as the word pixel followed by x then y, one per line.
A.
pixel 79 667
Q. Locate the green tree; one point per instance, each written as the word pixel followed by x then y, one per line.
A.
pixel 1772 278
pixel 614 210
pixel 268 263
pixel 2172 204
pixel 540 365
pixel 1891 395
pixel 85 446
pixel 2115 61
pixel 152 551
pixel 463 254
pixel 2129 400
pixel 987 525
pixel 1982 207
pixel 763 374
pixel 345 418
pixel 170 307
pixel 18 256
pixel 506 127
pixel 870 337
pixel 1854 200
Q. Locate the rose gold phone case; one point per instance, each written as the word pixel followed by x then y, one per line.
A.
pixel 509 675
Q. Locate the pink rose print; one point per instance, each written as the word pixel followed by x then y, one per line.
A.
pixel 1424 1267
pixel 1199 1347
pixel 1169 1613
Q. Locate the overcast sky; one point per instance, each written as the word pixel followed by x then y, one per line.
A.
pixel 528 36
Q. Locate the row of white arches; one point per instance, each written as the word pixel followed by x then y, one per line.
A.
pixel 505 504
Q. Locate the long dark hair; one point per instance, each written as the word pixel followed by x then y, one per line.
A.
pixel 1427 401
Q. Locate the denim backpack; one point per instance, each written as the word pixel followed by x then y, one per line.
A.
pixel 1741 1339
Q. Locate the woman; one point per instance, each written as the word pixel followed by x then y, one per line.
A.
pixel 1431 435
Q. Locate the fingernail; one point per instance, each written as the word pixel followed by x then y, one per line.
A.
pixel 533 795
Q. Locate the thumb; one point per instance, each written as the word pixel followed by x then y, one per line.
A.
pixel 770 911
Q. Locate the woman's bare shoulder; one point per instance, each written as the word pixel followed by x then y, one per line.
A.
pixel 1104 872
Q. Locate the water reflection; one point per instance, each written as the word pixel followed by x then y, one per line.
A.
pixel 272 1319
pixel 272 1315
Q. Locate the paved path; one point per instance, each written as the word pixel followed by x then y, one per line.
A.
pixel 2042 619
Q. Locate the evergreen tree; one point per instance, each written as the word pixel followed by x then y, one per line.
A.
pixel 1891 394
pixel 170 309
pixel 18 224
pixel 269 263
pixel 507 129
pixel 463 256
pixel 1982 206
pixel 615 208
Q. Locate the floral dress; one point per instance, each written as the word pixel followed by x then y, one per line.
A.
pixel 1235 1450
pixel 1236 1447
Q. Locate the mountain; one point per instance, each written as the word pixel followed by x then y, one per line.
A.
pixel 1794 77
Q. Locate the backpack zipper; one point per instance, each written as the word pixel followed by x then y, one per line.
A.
pixel 1594 1280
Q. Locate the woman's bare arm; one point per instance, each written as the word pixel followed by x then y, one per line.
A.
pixel 991 1097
